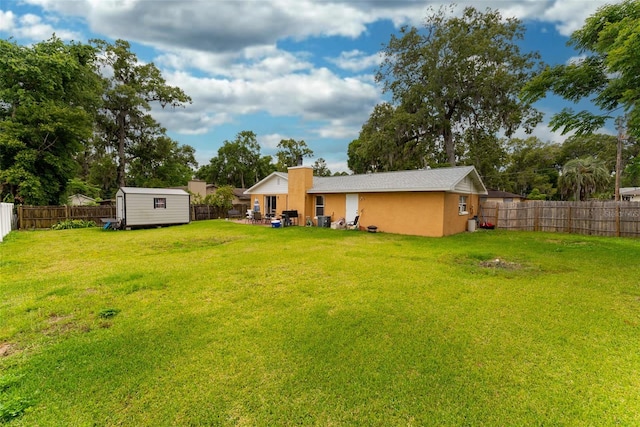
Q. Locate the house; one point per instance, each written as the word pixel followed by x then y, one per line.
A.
pixel 141 207
pixel 429 202
pixel 501 197
pixel 630 194
pixel 81 200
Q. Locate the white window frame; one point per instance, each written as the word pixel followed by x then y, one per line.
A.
pixel 462 205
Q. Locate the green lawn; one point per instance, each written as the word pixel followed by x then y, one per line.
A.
pixel 217 323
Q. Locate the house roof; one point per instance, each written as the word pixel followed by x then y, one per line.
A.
pixel 440 179
pixel 158 191
pixel 497 194
pixel 268 178
pixel 630 191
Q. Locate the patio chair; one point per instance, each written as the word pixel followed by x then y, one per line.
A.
pixel 353 225
pixel 257 218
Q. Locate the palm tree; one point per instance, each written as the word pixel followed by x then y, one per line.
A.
pixel 583 177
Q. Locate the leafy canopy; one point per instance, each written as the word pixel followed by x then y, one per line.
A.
pixel 608 73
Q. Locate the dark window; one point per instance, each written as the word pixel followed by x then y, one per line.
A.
pixel 319 205
pixel 159 203
pixel 271 204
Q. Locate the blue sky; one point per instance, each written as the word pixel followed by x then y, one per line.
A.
pixel 300 69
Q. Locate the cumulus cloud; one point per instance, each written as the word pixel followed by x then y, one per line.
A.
pixel 356 60
pixel 33 27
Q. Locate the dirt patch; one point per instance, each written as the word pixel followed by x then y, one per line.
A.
pixel 500 263
pixel 6 349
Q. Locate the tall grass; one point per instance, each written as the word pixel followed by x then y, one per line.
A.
pixel 216 323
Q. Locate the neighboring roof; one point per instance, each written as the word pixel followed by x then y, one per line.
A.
pixel 439 179
pixel 167 191
pixel 239 193
pixel 630 191
pixel 497 194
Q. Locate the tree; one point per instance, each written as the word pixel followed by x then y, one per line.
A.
pixel 607 73
pixel 48 94
pixel 290 152
pixel 159 161
pixel 238 163
pixel 599 146
pixel 320 168
pixel 583 177
pixel 531 165
pixel 461 73
pixel 132 87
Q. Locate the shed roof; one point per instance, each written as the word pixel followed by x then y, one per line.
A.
pixel 440 179
pixel 503 194
pixel 155 191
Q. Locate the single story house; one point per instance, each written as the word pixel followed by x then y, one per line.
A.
pixel 143 207
pixel 428 202
pixel 501 197
pixel 630 194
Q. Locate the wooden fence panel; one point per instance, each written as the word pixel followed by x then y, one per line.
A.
pixel 597 218
pixel 37 217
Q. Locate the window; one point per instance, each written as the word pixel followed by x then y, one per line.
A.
pixel 462 205
pixel 319 205
pixel 159 203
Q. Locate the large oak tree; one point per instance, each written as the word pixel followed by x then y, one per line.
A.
pixel 455 74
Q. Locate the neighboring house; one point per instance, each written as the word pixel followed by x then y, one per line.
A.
pixel 430 202
pixel 140 207
pixel 501 197
pixel 630 194
pixel 81 200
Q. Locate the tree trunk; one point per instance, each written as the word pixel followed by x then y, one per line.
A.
pixel 449 145
pixel 121 155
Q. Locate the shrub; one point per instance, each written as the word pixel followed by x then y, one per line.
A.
pixel 73 223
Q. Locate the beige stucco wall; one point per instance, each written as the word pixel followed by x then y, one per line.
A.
pixel 300 180
pixel 454 222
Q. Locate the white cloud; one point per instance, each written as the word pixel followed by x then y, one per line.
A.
pixel 356 60
pixel 7 20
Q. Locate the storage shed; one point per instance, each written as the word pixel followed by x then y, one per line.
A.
pixel 141 207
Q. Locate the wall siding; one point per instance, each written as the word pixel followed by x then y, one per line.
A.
pixel 139 210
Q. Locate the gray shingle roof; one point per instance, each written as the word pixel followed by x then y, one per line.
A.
pixel 441 179
pixel 156 191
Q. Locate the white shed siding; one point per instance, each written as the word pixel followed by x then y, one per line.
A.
pixel 139 206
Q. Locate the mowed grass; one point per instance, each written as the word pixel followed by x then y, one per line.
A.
pixel 217 323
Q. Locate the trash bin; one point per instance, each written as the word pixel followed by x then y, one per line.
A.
pixel 324 221
pixel 471 225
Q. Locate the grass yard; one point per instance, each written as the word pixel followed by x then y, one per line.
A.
pixel 217 323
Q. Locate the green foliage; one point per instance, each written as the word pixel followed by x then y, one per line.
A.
pixel 238 163
pixel 108 313
pixel 461 73
pixel 73 223
pixel 610 42
pixel 48 93
pixel 532 164
pixel 13 407
pixel 320 168
pixel 583 177
pixel 290 152
pixel 131 88
pixel 536 195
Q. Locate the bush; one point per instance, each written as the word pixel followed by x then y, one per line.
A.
pixel 73 223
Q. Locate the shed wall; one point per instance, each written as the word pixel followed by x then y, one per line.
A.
pixel 139 210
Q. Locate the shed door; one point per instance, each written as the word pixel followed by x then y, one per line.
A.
pixel 352 207
pixel 120 208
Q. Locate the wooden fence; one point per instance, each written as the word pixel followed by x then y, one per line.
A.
pixel 35 217
pixel 620 219
pixel 30 217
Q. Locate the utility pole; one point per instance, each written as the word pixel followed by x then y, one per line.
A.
pixel 621 124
